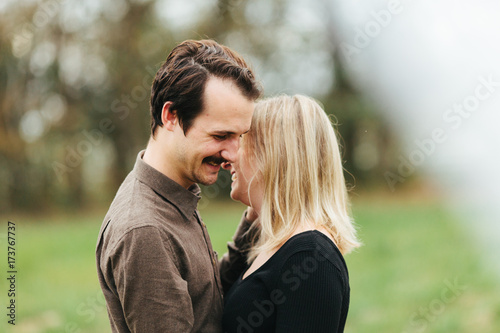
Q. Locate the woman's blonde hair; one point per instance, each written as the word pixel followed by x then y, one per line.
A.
pixel 294 146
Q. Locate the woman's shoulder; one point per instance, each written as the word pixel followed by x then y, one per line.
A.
pixel 311 246
pixel 310 259
pixel 309 240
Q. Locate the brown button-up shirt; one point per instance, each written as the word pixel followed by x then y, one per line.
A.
pixel 155 261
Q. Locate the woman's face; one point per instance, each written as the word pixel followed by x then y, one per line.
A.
pixel 246 186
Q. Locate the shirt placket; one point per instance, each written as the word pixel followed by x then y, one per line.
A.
pixel 210 252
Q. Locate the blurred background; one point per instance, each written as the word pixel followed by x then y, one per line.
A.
pixel 413 87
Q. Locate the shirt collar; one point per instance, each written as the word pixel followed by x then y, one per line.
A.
pixel 186 200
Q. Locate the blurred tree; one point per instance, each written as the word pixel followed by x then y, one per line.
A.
pixel 18 188
pixel 75 83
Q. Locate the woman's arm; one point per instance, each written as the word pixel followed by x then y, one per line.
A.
pixel 314 295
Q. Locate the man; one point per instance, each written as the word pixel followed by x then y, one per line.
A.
pixel 155 262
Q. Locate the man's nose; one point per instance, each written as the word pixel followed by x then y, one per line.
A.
pixel 230 150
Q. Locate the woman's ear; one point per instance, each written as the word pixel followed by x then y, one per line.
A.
pixel 169 116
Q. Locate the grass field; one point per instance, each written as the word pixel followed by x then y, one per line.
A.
pixel 417 272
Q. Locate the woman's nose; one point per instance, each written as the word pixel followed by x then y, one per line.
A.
pixel 231 149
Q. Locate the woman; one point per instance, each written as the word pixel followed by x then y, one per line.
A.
pixel 289 172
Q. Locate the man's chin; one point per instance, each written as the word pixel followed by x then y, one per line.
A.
pixel 208 175
pixel 207 180
pixel 207 183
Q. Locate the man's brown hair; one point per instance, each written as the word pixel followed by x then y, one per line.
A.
pixel 182 78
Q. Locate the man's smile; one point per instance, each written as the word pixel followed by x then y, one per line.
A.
pixel 214 161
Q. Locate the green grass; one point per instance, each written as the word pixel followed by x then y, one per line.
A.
pixel 399 279
pixel 418 272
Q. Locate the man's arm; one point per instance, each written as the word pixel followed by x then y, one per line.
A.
pixel 153 295
pixel 233 263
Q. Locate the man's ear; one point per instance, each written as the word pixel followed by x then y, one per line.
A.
pixel 169 116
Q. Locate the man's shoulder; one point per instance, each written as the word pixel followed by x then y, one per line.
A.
pixel 136 206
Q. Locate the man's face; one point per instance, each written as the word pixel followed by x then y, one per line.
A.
pixel 214 134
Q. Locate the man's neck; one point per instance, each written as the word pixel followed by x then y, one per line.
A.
pixel 157 158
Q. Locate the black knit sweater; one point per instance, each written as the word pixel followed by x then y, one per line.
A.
pixel 303 287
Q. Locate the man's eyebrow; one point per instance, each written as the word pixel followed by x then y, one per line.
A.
pixel 222 132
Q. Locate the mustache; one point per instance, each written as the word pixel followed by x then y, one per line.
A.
pixel 215 159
